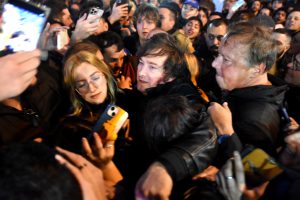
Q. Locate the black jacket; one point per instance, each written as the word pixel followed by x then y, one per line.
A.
pixel 184 158
pixel 18 126
pixel 255 115
pixel 293 102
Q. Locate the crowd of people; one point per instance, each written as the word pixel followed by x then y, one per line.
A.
pixel 212 101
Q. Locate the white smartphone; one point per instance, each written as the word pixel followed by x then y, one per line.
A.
pixel 95 12
pixel 62 39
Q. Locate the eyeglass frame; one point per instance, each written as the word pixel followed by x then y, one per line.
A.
pixel 87 83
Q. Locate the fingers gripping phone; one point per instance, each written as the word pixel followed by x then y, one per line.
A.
pixel 109 123
pixel 23 22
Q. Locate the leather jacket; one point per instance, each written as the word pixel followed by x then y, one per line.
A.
pixel 189 155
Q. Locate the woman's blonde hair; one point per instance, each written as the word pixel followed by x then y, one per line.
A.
pixel 193 65
pixel 74 61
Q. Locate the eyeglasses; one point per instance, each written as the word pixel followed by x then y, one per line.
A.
pixel 213 37
pixel 84 86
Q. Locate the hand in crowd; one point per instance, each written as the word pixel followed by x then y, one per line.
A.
pixel 231 178
pixel 290 156
pixel 292 127
pixel 209 173
pixel 124 83
pixel 98 153
pixel 118 11
pixel 221 117
pixel 155 183
pixel 101 156
pixel 84 28
pixel 17 72
pixel 48 38
pixel 90 178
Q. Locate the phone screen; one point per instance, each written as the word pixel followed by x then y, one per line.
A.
pixel 22 25
pixel 237 5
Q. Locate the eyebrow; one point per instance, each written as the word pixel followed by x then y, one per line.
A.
pixel 80 80
pixel 152 63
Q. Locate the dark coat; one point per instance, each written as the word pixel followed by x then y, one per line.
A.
pixel 255 115
pixel 18 126
pixel 187 156
pixel 293 102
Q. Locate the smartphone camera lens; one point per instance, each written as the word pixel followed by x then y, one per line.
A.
pixel 112 108
pixel 113 113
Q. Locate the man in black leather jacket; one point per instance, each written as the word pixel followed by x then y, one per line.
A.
pixel 162 71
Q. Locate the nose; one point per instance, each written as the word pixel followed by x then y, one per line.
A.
pixel 216 62
pixel 216 42
pixel 141 70
pixel 120 62
pixel 92 86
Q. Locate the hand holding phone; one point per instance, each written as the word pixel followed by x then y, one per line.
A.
pixel 109 123
pixel 22 25
pixel 113 126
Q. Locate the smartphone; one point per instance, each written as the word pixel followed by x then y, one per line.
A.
pixel 95 12
pixel 62 38
pixel 112 126
pixel 237 5
pixel 109 123
pixel 284 115
pixel 22 24
pixel 108 113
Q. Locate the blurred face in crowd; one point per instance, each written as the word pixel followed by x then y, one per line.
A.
pixel 213 37
pixel 203 17
pixel 188 11
pixel 293 71
pixel 192 29
pixel 150 72
pixel 283 42
pixel 114 58
pixel 167 19
pixel 144 26
pixel 256 6
pixel 66 18
pixel 265 12
pixel 280 17
pixel 276 5
pixel 102 27
pixel 231 66
pixel 293 21
pixel 90 83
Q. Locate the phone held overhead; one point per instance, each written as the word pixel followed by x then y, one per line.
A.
pixel 22 25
